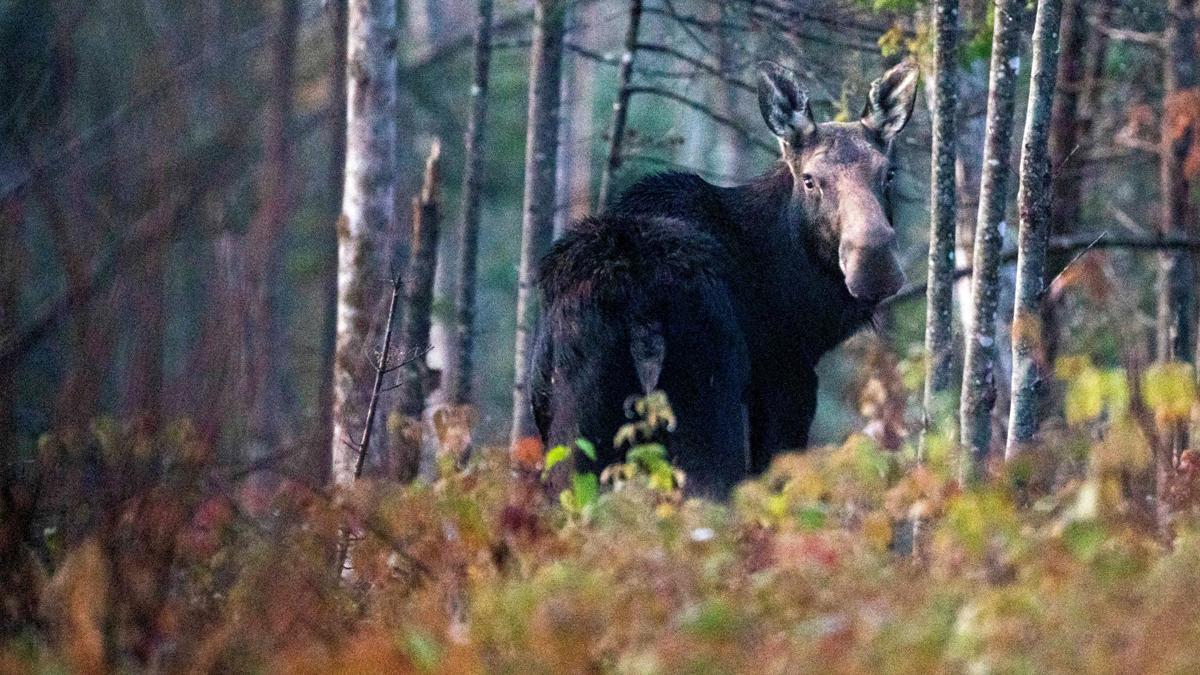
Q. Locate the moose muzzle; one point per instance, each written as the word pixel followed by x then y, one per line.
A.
pixel 869 263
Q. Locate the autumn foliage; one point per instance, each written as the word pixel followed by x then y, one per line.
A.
pixel 150 555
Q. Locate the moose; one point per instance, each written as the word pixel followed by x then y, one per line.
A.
pixel 724 298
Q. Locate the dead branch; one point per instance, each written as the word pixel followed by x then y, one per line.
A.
pixel 705 110
pixel 1068 244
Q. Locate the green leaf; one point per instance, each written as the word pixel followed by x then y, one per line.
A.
pixel 1084 539
pixel 811 518
pixel 586 447
pixel 557 454
pixel 647 455
pixel 586 488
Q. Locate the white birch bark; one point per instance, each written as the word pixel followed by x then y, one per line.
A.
pixel 979 383
pixel 368 212
pixel 939 314
pixel 1033 204
pixel 537 220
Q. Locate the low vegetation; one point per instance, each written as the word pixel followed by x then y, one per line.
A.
pixel 850 558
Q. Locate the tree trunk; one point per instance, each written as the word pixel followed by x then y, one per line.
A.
pixel 582 85
pixel 405 427
pixel 1033 202
pixel 461 359
pixel 537 220
pixel 1075 101
pixel 318 461
pixel 566 132
pixel 12 215
pixel 144 386
pixel 939 310
pixel 368 210
pixel 979 386
pixel 266 349
pixel 621 105
pixel 731 147
pixel 1175 293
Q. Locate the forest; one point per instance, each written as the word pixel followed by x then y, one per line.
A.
pixel 887 361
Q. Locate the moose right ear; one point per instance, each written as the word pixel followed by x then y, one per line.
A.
pixel 784 104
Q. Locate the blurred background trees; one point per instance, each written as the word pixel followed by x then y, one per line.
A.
pixel 198 199
pixel 171 177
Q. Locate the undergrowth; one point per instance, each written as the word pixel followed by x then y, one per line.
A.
pixel 143 554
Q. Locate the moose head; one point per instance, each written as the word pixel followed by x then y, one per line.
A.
pixel 842 174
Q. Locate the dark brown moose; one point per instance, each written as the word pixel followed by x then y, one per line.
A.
pixel 724 298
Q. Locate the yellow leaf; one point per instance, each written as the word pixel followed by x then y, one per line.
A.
pixel 1085 395
pixel 1169 389
pixel 877 529
pixel 1069 367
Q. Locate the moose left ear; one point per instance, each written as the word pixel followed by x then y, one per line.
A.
pixel 890 102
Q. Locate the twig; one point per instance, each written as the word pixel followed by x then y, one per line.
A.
pixel 1125 35
pixel 1065 245
pixel 1074 260
pixel 381 369
pixel 703 109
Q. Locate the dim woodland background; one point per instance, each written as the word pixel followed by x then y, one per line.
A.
pixel 266 292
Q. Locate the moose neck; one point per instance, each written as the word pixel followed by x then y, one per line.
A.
pixel 793 291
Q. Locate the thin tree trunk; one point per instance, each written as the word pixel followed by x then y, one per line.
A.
pixel 1033 203
pixel 266 352
pixel 318 463
pixel 144 386
pixel 580 119
pixel 1175 290
pixel 979 386
pixel 461 362
pixel 1075 101
pixel 731 147
pixel 537 221
pixel 415 324
pixel 939 311
pixel 621 106
pixel 566 132
pixel 368 211
pixel 12 215
pixel 1175 293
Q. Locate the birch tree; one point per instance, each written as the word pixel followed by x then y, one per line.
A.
pixel 979 386
pixel 1175 284
pixel 367 211
pixel 621 105
pixel 537 210
pixel 939 310
pixel 460 360
pixel 1033 204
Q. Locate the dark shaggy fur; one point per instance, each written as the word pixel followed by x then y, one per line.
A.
pixel 707 293
pixel 725 298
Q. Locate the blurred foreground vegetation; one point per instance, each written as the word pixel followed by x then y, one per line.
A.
pixel 172 562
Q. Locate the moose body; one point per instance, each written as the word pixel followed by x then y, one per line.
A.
pixel 724 298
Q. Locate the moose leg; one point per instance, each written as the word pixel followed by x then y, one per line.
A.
pixel 781 411
pixel 705 376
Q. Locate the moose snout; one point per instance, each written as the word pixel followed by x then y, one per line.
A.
pixel 872 272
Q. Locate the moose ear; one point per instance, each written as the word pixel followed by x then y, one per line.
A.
pixel 784 104
pixel 890 102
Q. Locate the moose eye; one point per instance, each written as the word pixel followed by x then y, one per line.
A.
pixel 890 176
pixel 809 183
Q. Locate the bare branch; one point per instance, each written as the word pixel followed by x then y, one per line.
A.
pixel 705 110
pixel 1067 244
